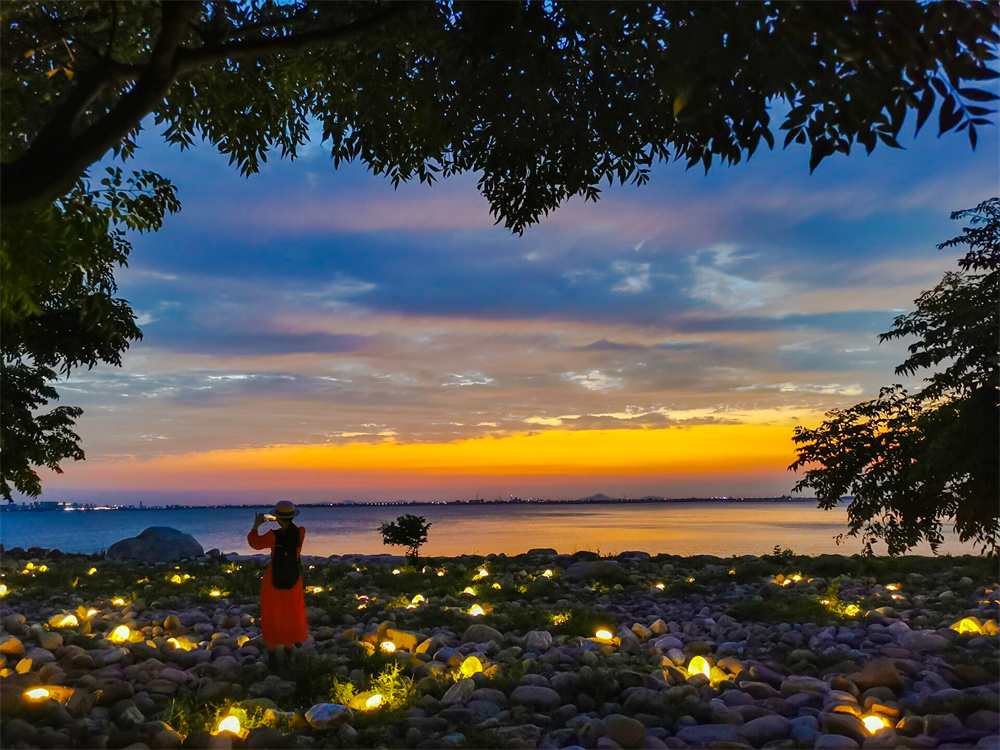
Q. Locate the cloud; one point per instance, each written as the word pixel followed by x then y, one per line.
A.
pixel 468 378
pixel 728 290
pixel 830 389
pixel 595 380
pixel 636 276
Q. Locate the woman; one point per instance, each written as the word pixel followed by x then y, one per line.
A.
pixel 282 605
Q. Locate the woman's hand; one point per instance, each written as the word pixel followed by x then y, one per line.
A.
pixel 258 520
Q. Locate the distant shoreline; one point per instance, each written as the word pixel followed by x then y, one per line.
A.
pixel 68 506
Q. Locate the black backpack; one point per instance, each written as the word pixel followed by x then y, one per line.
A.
pixel 285 565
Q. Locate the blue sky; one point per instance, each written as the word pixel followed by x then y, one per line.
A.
pixel 307 305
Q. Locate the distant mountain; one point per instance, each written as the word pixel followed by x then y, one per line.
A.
pixel 598 496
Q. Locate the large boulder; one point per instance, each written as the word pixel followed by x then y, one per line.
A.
pixel 607 571
pixel 156 544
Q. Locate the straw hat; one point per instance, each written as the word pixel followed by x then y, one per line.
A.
pixel 285 510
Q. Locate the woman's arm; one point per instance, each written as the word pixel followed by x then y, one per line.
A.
pixel 257 540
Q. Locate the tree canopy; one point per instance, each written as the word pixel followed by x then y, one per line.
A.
pixel 542 101
pixel 911 460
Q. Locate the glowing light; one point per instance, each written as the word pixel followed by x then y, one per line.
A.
pixel 472 665
pixel 176 579
pixel 547 574
pixel 690 580
pixel 418 599
pixel 732 571
pixel 851 610
pixel 118 601
pixel 69 621
pixel 968 626
pixel 374 701
pixel 873 723
pixel 475 610
pixel 361 606
pixel 659 587
pixel 91 612
pixel 242 641
pixel 898 596
pixel 469 591
pixel 121 634
pixel 314 589
pixel 3 590
pixel 29 566
pixel 482 573
pixel 395 571
pixel 825 602
pixel 411 606
pixel 699 665
pixel 312 567
pixel 604 635
pixel 558 620
pixel 892 587
pixel 441 573
pixel 215 592
pixel 91 571
pixel 36 694
pixel 184 644
pixel 387 646
pixel 497 586
pixel 42 568
pixel 229 724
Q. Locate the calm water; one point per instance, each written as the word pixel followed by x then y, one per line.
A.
pixel 710 527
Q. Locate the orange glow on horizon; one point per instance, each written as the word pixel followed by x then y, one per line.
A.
pixel 717 450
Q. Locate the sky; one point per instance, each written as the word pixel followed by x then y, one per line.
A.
pixel 315 334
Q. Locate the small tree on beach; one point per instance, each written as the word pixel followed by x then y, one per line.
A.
pixel 910 460
pixel 408 531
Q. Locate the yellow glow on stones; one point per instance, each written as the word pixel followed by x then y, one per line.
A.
pixel 659 587
pixel 968 626
pixel 418 599
pixel 121 634
pixel 91 612
pixel 547 574
pixel 242 641
pixel 690 579
pixel 118 601
pixel 699 665
pixel 91 571
pixel 468 591
pixel 851 610
pixel 472 665
pixel 374 701
pixel 892 587
pixel 441 573
pixel 873 723
pixel 314 589
pixel 42 568
pixel 69 621
pixel 732 571
pixel 229 724
pixel 215 592
pixel 387 646
pixel 183 644
pixel 558 620
pixel 395 572
pixel 4 590
pixel 604 635
pixel 475 610
pixel 482 573
pixel 36 694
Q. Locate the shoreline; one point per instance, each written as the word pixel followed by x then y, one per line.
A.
pixel 776 650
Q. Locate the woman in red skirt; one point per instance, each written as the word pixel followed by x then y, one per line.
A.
pixel 282 605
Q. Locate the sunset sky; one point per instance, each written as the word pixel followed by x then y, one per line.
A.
pixel 315 334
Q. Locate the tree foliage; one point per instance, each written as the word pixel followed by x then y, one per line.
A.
pixel 408 531
pixel 543 101
pixel 910 460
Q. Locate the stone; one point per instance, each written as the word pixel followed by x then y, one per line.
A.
pixel 328 715
pixel 879 672
pixel 536 696
pixel 166 739
pixel 538 641
pixel 803 684
pixel 922 640
pixel 766 729
pixel 984 720
pixel 847 725
pixel 403 639
pixel 608 571
pixel 627 732
pixel 835 742
pixel 11 645
pixel 481 633
pixel 265 738
pixel 459 693
pixel 50 640
pixel 109 691
pixel 707 733
pixel 156 544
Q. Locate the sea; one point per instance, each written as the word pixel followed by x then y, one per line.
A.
pixel 710 527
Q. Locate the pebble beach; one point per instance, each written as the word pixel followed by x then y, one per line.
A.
pixel 539 650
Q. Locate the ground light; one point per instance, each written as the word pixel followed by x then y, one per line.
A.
pixel 699 665
pixel 36 694
pixel 475 610
pixel 547 574
pixel 118 601
pixel 121 634
pixel 874 723
pixel 472 665
pixel 3 590
pixel 69 621
pixel 387 646
pixel 968 626
pixel 604 635
pixel 91 571
pixel 229 724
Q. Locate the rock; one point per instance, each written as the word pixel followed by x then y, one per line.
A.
pixel 265 738
pixel 542 552
pixel 984 720
pixel 11 646
pixel 847 725
pixel 328 715
pixel 766 729
pixel 481 633
pixel 536 696
pixel 628 733
pixel 835 742
pixel 922 640
pixel 459 693
pixel 109 691
pixel 166 739
pixel 156 544
pixel 130 719
pixel 879 673
pixel 50 640
pixel 803 684
pixel 538 641
pixel 403 639
pixel 707 733
pixel 608 571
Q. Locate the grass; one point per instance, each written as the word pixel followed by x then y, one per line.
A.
pixel 781 606
pixel 398 694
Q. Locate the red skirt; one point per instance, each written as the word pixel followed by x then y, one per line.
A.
pixel 282 613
